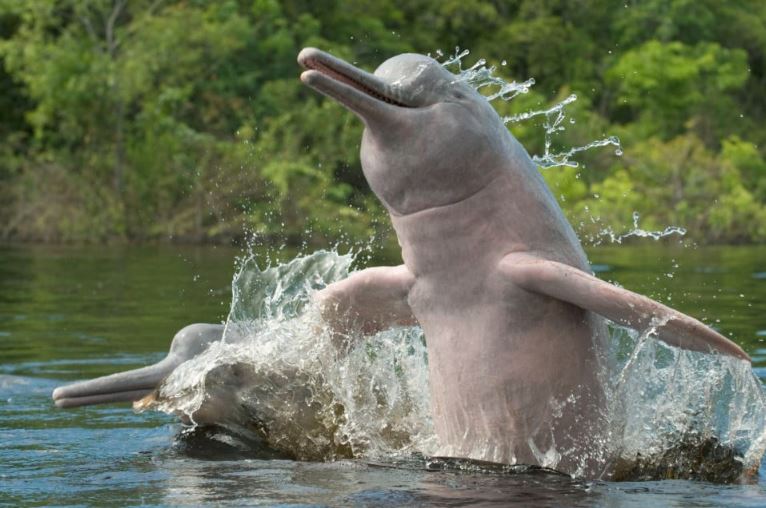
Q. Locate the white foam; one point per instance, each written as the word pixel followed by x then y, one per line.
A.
pixel 319 403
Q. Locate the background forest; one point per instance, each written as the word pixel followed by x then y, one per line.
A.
pixel 150 120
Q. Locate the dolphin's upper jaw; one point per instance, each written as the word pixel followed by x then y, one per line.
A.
pixel 360 91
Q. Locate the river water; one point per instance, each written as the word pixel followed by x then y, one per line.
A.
pixel 73 313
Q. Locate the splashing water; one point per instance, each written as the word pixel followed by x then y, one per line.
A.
pixel 480 76
pixel 694 410
pixel 277 374
pixel 608 233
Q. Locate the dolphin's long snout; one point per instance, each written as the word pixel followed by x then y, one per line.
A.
pixel 362 92
pixel 125 386
pixel 133 385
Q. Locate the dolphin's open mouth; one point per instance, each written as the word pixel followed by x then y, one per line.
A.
pixel 337 75
pixel 339 71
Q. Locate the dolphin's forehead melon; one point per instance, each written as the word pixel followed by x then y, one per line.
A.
pixel 409 69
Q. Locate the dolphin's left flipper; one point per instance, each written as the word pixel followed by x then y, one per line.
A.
pixel 624 307
pixel 369 300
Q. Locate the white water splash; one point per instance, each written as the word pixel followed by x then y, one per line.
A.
pixel 609 234
pixel 663 397
pixel 278 373
pixel 480 76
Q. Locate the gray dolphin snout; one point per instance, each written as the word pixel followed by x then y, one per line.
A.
pixel 362 92
pixel 126 386
pixel 133 385
pixel 307 54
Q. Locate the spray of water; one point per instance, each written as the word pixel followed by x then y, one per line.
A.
pixel 608 233
pixel 683 410
pixel 279 373
pixel 482 77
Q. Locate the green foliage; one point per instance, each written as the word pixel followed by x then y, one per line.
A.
pixel 665 85
pixel 679 182
pixel 184 119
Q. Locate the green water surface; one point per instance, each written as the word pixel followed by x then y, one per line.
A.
pixel 70 313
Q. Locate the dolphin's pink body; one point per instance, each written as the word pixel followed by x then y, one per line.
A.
pixel 514 375
pixel 493 272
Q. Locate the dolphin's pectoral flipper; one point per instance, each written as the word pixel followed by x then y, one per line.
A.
pixel 624 307
pixel 369 300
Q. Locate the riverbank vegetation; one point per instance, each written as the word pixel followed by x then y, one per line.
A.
pixel 184 120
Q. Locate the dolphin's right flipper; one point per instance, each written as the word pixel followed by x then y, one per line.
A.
pixel 624 307
pixel 369 300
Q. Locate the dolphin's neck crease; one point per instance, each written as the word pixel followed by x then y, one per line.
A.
pixel 394 213
pixel 486 226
